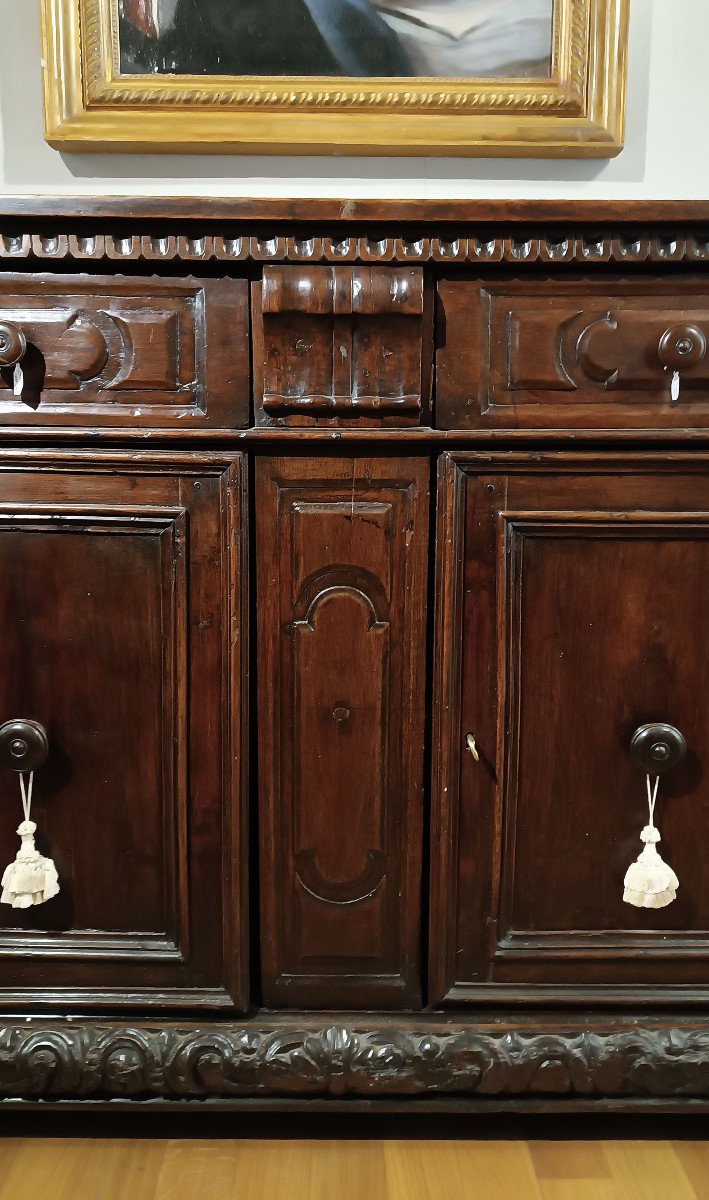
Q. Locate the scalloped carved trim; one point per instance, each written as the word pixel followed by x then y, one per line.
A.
pixel 613 245
pixel 62 1059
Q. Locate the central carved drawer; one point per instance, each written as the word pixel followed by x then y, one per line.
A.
pixel 556 353
pixel 118 351
pixel 346 344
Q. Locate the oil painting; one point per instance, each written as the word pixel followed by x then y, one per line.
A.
pixel 464 39
pixel 534 78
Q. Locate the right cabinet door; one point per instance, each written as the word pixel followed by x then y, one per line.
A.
pixel 572 609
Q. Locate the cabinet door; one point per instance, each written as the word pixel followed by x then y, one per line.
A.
pixel 120 586
pixel 573 610
pixel 341 577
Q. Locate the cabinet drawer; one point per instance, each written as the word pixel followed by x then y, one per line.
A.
pixel 573 611
pixel 118 588
pixel 124 352
pixel 562 354
pixel 342 345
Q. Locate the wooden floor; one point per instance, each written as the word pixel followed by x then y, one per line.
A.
pixel 45 1166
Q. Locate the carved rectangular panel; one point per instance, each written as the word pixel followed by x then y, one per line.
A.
pixel 573 610
pixel 121 599
pixel 341 344
pixel 586 354
pixel 341 581
pixel 121 351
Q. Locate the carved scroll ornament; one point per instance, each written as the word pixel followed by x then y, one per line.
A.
pixel 60 1059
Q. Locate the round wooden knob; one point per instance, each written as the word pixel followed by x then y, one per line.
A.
pixel 657 748
pixel 13 344
pixel 682 347
pixel 24 745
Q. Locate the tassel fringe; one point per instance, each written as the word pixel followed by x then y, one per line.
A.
pixel 649 881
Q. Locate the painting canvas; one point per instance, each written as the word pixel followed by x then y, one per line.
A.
pixel 461 39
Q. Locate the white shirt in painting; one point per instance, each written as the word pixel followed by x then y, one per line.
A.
pixel 472 38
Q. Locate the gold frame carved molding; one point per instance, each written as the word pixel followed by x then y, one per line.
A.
pixel 578 111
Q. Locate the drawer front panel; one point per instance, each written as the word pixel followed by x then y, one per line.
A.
pixel 115 590
pixel 341 619
pixel 576 615
pixel 342 345
pixel 558 354
pixel 126 352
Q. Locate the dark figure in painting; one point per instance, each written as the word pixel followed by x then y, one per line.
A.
pixel 443 38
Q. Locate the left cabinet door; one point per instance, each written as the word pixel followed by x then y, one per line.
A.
pixel 121 594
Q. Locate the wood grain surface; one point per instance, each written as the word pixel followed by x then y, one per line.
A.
pixel 341 570
pixel 368 1168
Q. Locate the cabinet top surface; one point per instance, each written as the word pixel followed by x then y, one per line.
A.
pixel 314 210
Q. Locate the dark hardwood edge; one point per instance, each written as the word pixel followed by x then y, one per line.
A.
pixel 445 763
pixel 403 1107
pixel 335 209
pixel 345 1059
pixel 235 761
pixel 216 444
pixel 87 1000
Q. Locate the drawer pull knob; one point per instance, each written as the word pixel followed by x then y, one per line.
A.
pixel 682 347
pixel 13 347
pixel 13 344
pixel 32 878
pixel 24 745
pixel 657 748
pixel 470 743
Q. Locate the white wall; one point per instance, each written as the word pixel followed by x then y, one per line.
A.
pixel 665 155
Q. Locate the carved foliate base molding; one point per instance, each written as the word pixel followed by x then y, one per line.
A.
pixel 64 1059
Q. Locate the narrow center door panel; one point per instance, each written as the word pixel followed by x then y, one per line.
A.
pixel 341 548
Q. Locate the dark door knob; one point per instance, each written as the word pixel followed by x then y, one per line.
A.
pixel 657 748
pixel 682 347
pixel 13 344
pixel 24 745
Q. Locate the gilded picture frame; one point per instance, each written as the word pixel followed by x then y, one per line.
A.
pixel 577 111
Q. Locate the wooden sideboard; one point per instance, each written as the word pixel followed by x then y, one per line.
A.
pixel 344 546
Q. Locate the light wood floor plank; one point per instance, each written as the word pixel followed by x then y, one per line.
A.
pixel 581 1189
pixel 69 1168
pixel 262 1169
pixel 9 1149
pixel 569 1160
pixel 460 1171
pixel 694 1157
pixel 352 1169
pixel 648 1170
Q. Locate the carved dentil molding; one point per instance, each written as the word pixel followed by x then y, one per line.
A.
pixel 63 1059
pixel 572 247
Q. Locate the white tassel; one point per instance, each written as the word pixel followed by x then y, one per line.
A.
pixel 31 878
pixel 649 881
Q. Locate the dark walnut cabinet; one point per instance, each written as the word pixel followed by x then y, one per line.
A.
pixel 344 548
